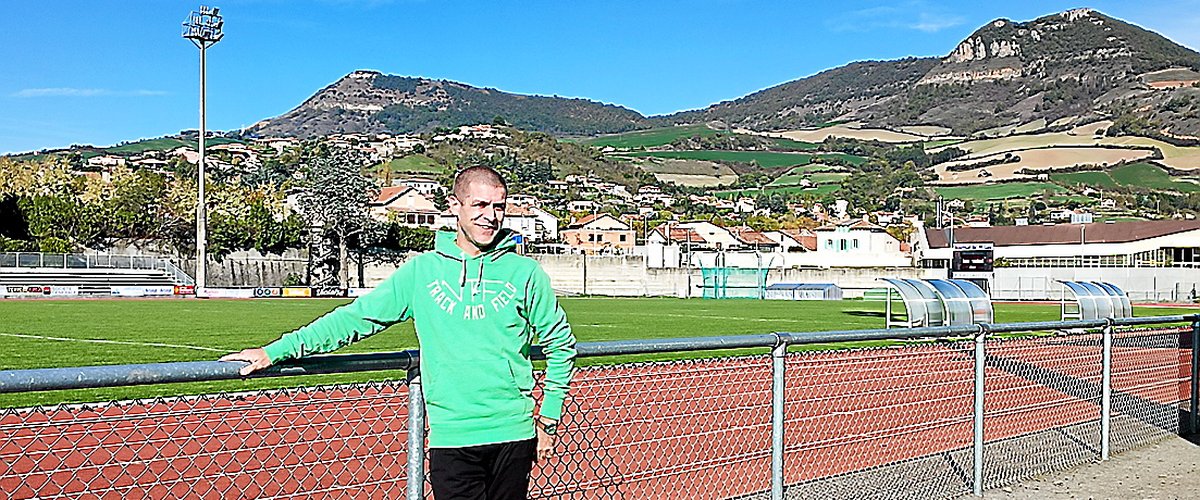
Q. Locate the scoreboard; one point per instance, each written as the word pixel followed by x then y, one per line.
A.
pixel 972 258
pixel 973 262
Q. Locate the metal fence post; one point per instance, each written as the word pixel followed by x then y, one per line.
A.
pixel 416 437
pixel 1106 389
pixel 1195 400
pixel 778 356
pixel 980 361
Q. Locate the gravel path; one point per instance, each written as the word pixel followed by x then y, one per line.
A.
pixel 1169 469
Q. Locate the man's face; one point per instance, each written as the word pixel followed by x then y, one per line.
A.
pixel 480 212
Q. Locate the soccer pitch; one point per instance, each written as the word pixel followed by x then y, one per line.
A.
pixel 60 333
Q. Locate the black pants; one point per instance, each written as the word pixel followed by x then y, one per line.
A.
pixel 487 472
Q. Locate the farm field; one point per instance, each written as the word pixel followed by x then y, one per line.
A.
pixel 1176 157
pixel 999 191
pixel 845 131
pixel 58 333
pixel 648 138
pixel 1037 159
pixel 926 130
pixel 698 180
pixel 691 167
pixel 766 159
pixel 1147 175
pixel 816 177
pixel 689 172
pixel 413 164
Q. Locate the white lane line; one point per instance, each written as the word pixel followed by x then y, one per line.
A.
pixel 121 342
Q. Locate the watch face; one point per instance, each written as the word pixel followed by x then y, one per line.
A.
pixel 550 429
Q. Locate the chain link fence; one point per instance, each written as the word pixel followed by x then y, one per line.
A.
pixel 331 442
pixel 864 423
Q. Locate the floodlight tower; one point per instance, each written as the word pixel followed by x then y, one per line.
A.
pixel 203 27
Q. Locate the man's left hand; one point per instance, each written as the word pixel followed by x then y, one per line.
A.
pixel 545 441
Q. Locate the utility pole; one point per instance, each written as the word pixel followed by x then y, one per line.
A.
pixel 204 28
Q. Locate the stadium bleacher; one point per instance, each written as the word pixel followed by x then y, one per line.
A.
pixel 89 281
pixel 87 275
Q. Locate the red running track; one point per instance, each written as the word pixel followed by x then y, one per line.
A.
pixel 696 429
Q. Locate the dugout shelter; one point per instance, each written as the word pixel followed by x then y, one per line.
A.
pixel 937 302
pixel 1094 300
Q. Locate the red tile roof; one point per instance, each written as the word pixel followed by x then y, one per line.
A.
pixel 681 234
pixel 390 193
pixel 805 237
pixel 1061 234
pixel 751 237
pixel 586 219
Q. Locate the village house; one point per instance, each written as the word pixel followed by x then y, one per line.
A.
pixel 859 244
pixel 794 240
pixel 600 233
pixel 581 206
pixel 749 239
pixel 422 185
pixel 406 206
pixel 535 224
pixel 189 155
pixel 106 161
pixel 522 200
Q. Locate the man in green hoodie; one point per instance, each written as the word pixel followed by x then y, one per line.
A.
pixel 477 306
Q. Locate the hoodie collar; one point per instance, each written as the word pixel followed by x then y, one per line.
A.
pixel 445 245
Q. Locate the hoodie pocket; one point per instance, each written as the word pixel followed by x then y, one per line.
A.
pixel 479 389
pixel 523 377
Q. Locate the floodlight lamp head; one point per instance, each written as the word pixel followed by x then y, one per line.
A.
pixel 204 27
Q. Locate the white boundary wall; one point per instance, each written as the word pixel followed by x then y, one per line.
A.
pixel 1142 284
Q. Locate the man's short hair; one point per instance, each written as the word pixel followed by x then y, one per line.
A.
pixel 476 174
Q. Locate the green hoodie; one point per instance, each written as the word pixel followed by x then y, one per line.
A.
pixel 476 318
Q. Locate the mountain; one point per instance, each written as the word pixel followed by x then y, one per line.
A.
pixel 1063 68
pixel 819 98
pixel 369 101
pixel 1073 64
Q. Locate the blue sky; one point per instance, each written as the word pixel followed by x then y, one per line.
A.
pixel 100 72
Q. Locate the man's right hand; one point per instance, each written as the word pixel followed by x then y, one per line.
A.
pixel 257 358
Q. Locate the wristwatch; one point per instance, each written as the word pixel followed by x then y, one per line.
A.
pixel 550 428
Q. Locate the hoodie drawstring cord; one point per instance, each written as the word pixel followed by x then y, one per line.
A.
pixel 462 277
pixel 479 282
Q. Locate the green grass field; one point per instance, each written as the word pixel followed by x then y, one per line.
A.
pixel 999 191
pixel 1145 175
pixel 816 177
pixel 59 333
pixel 413 164
pixel 648 138
pixel 663 136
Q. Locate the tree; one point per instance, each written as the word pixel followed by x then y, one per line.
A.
pixel 336 197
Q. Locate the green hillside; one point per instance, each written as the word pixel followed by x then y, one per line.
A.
pixel 1143 175
pixel 163 144
pixel 648 138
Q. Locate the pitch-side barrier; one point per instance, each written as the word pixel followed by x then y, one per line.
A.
pixel 970 409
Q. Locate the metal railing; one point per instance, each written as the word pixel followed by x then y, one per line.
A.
pixel 958 410
pixel 36 260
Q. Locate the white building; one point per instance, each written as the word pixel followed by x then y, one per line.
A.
pixel 1113 244
pixel 423 185
pixel 532 222
pixel 858 244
